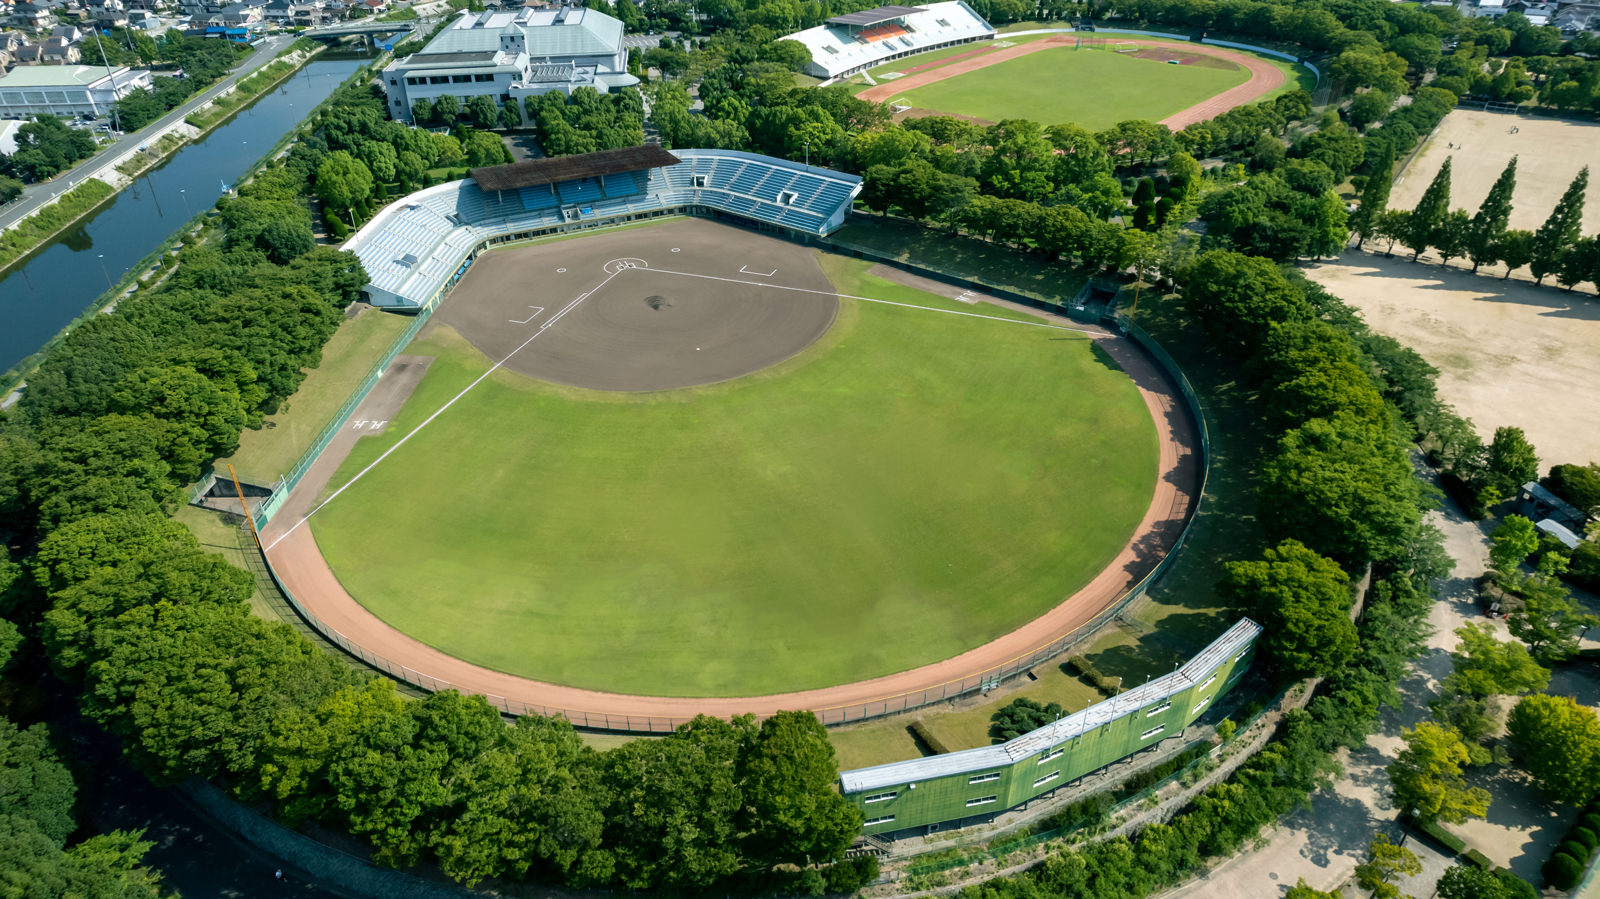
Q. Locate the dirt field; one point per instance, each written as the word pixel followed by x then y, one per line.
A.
pixel 1509 353
pixel 1264 77
pixel 635 330
pixel 1550 153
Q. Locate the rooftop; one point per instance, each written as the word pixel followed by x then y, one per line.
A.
pixel 57 76
pixel 571 168
pixel 874 16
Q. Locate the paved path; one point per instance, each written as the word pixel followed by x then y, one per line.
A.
pixel 300 567
pixel 35 195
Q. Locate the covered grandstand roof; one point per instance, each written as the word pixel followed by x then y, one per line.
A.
pixel 571 168
pixel 874 16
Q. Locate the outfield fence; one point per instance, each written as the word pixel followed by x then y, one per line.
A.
pixel 984 680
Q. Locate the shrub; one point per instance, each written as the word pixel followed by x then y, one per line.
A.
pixel 1562 871
pixel 1584 836
pixel 1590 822
pixel 1478 858
pixel 1575 849
pixel 921 732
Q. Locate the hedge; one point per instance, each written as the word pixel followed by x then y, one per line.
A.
pixel 921 732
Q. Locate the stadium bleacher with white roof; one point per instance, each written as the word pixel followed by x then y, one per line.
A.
pixel 416 247
pixel 847 44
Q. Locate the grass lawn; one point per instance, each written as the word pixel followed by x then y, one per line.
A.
pixel 980 260
pixel 910 487
pixel 272 450
pixel 1093 88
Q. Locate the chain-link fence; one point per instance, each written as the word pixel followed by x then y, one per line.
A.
pixel 986 679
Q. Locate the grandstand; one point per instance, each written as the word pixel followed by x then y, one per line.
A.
pixel 855 42
pixel 416 248
pixel 958 788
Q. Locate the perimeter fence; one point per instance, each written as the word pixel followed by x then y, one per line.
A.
pixel 984 680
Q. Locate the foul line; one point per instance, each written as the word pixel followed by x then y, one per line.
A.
pixel 584 296
pixel 451 402
pixel 830 293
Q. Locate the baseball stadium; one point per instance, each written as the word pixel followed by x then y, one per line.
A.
pixel 652 447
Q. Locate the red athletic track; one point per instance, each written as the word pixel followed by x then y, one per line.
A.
pixel 1264 76
pixel 300 567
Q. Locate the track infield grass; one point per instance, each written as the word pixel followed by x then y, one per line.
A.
pixel 909 487
pixel 1093 88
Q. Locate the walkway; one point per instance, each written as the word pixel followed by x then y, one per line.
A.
pixel 35 196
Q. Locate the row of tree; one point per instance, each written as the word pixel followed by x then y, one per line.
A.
pixel 1485 237
pixel 159 637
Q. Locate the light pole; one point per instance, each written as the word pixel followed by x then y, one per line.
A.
pixel 100 42
pixel 103 271
pixel 808 154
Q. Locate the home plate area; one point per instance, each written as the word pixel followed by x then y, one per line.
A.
pixel 674 305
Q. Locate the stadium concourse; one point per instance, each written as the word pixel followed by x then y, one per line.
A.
pixel 855 42
pixel 415 249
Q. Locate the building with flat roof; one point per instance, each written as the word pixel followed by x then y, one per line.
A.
pixel 512 55
pixel 67 91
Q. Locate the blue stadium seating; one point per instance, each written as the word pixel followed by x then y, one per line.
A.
pixel 417 244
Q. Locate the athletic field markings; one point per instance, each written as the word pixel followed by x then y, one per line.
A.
pixel 621 266
pixel 522 321
pixel 448 403
pixel 747 271
pixel 832 293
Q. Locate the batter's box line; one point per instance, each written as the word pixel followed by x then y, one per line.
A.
pixel 747 271
pixel 537 311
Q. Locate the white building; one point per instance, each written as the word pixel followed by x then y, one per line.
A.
pixel 847 44
pixel 67 91
pixel 512 55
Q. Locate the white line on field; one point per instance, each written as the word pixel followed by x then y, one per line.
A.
pixel 830 293
pixel 451 402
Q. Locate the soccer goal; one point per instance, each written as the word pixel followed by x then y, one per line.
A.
pixel 899 105
pixel 1126 47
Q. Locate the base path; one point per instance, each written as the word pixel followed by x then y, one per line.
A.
pixel 299 567
pixel 1264 76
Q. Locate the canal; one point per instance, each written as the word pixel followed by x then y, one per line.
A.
pixel 64 277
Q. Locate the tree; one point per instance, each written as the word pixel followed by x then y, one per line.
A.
pixel 1561 230
pixel 483 112
pixel 10 189
pixel 1483 666
pixel 1514 540
pixel 1577 484
pixel 34 784
pixel 1367 108
pixel 1239 297
pixel 1429 213
pixel 794 816
pixel 1303 601
pixel 1515 249
pixel 1511 462
pixel 1472 882
pixel 1426 776
pixel 1488 226
pixel 1021 715
pixel 1303 890
pixel 483 148
pixel 1558 743
pixel 105 865
pixel 423 111
pixel 1386 863
pixel 446 109
pixel 343 181
pixel 1549 621
pixel 1374 195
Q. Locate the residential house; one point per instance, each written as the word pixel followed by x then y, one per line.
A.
pixel 69 33
pixel 278 12
pixel 58 51
pixel 33 16
pixel 369 8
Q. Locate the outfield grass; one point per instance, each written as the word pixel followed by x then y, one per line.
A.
pixel 1092 88
pixel 272 450
pixel 910 487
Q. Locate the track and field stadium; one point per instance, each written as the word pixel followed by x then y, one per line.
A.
pixel 684 466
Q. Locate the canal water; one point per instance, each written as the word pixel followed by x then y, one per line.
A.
pixel 60 280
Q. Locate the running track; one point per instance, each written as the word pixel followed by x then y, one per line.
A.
pixel 300 567
pixel 1264 76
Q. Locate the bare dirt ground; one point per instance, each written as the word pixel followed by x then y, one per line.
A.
pixel 300 567
pixel 637 330
pixel 1508 352
pixel 1550 152
pixel 1264 77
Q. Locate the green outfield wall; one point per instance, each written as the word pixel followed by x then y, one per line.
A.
pixel 977 784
